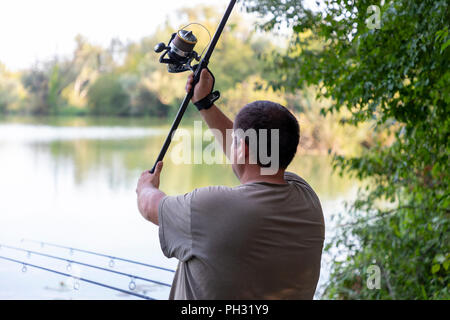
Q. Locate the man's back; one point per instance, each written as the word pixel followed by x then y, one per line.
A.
pixel 255 241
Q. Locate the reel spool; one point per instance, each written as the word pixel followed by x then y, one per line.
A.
pixel 180 51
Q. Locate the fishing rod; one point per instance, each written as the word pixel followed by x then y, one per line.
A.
pixel 180 50
pixel 111 262
pixel 26 264
pixel 131 286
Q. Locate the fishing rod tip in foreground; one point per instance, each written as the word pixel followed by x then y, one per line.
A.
pixel 70 262
pixel 112 258
pixel 77 279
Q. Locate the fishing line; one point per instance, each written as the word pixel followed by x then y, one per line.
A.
pixel 209 34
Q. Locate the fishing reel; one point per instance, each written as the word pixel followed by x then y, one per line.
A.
pixel 180 51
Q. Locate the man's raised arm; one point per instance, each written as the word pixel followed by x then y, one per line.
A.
pixel 214 118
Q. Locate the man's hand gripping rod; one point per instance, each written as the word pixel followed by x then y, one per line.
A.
pixel 203 64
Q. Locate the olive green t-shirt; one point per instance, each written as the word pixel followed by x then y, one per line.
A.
pixel 254 241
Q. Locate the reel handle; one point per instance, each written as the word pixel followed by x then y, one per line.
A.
pixel 160 47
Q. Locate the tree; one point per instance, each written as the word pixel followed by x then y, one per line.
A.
pixel 148 103
pixel 35 82
pixel 107 97
pixel 8 90
pixel 61 85
pixel 397 77
pixel 142 100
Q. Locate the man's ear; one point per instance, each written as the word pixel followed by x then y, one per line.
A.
pixel 243 151
pixel 246 151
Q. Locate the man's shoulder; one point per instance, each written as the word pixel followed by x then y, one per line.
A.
pixel 215 196
pixel 301 183
pixel 212 191
pixel 293 178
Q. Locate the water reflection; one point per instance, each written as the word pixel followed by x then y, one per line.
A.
pixel 120 161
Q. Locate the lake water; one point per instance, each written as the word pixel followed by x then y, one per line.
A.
pixel 72 182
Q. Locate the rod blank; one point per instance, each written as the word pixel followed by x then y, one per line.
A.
pixel 98 254
pixel 85 264
pixel 79 278
pixel 203 64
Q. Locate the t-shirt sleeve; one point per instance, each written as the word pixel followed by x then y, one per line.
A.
pixel 303 185
pixel 174 219
pixel 292 177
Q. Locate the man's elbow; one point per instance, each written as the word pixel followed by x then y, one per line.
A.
pixel 148 205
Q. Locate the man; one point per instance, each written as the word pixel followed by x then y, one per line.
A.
pixel 260 240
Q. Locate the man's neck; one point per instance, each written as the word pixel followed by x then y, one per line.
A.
pixel 253 174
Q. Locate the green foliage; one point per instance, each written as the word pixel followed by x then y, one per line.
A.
pixel 86 82
pixel 8 91
pixel 53 90
pixel 61 86
pixel 107 97
pixel 397 77
pixel 148 103
pixel 36 83
pixel 44 85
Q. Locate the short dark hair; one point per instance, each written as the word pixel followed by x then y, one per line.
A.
pixel 270 115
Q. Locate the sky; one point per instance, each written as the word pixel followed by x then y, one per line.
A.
pixel 37 30
pixel 32 30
